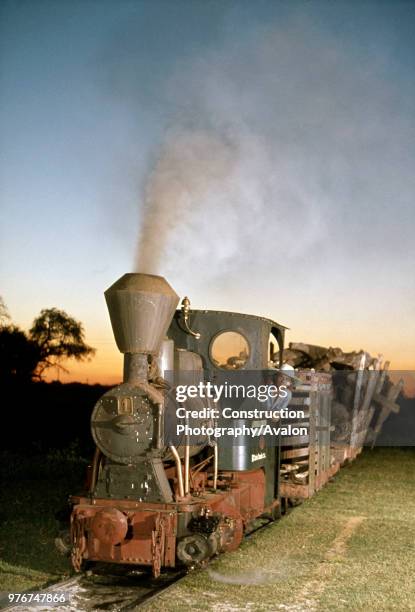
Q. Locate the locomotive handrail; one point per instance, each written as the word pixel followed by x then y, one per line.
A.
pixel 178 469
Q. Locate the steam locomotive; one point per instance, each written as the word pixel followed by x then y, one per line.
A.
pixel 160 500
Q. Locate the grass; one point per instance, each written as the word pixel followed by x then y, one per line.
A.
pixel 306 562
pixel 303 562
pixel 33 489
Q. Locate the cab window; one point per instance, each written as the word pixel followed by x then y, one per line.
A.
pixel 229 350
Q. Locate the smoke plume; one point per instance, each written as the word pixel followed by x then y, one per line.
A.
pixel 212 197
pixel 276 147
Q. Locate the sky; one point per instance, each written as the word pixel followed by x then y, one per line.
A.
pixel 260 155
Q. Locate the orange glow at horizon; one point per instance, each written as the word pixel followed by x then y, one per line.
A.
pixel 106 367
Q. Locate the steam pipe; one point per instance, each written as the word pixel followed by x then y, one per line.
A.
pixel 215 466
pixel 178 469
pixel 186 464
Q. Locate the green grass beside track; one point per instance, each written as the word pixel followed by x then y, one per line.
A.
pixel 306 562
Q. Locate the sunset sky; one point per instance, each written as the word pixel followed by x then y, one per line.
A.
pixel 260 155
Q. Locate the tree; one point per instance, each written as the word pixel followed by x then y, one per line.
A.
pixel 59 337
pixel 19 356
pixel 4 314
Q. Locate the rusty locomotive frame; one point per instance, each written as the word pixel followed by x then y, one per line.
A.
pixel 160 503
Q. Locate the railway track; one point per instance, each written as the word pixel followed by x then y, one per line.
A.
pixel 100 590
pixel 113 589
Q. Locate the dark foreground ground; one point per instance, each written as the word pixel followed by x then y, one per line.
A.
pixel 36 475
pixel 33 489
pixel 351 547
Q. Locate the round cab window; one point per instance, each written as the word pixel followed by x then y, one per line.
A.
pixel 229 350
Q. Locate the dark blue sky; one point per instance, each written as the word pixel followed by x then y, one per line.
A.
pixel 295 124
